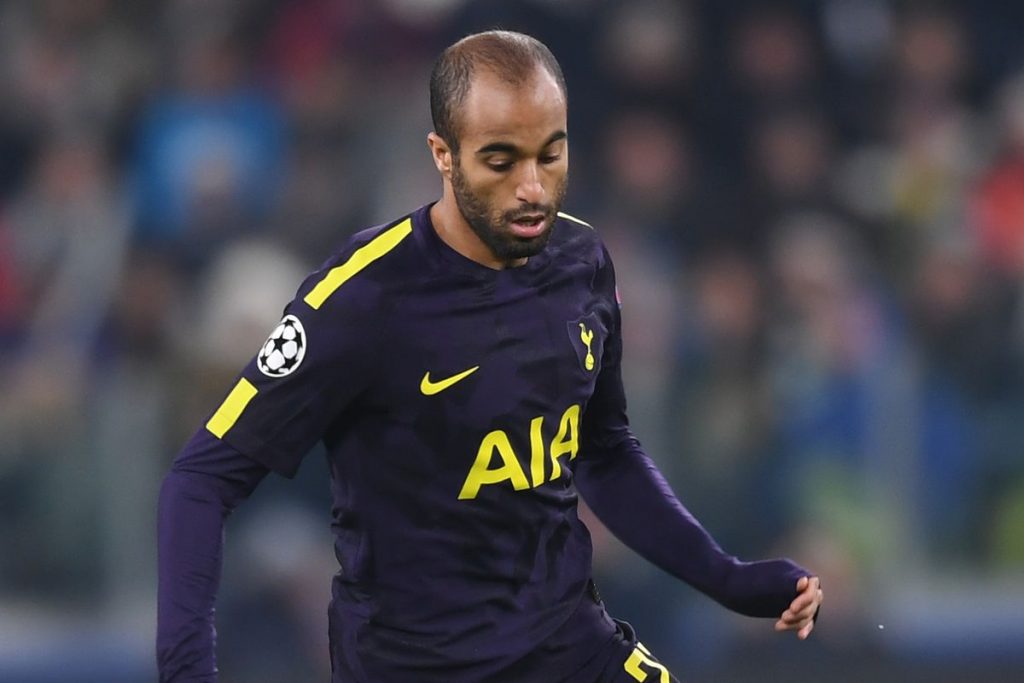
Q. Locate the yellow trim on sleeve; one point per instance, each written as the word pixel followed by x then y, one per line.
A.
pixel 229 411
pixel 562 214
pixel 362 257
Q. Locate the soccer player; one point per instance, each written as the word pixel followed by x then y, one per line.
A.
pixel 462 366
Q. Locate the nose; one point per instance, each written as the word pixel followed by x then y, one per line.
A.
pixel 529 189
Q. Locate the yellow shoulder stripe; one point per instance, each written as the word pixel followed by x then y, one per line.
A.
pixel 362 257
pixel 231 409
pixel 562 214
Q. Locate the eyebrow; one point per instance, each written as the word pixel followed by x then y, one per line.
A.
pixel 509 148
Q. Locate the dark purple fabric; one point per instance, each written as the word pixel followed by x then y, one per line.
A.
pixel 208 479
pixel 462 557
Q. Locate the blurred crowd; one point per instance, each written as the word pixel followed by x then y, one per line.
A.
pixel 816 209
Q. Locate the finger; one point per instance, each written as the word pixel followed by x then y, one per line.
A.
pixel 798 626
pixel 805 631
pixel 802 602
pixel 814 604
pixel 804 616
pixel 793 620
pixel 808 612
pixel 796 621
pixel 793 617
pixel 802 583
pixel 807 595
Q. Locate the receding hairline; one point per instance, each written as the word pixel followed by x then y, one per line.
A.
pixel 539 72
pixel 480 50
pixel 513 58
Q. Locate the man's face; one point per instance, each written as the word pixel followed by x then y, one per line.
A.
pixel 510 175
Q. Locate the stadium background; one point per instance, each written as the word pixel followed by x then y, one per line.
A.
pixel 817 212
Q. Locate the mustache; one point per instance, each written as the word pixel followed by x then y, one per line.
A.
pixel 527 209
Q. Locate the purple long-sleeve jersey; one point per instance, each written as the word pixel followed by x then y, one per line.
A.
pixel 464 409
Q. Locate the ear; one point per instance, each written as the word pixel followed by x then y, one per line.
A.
pixel 442 154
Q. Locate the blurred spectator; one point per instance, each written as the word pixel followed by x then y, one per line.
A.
pixel 723 417
pixel 998 204
pixel 69 229
pixel 858 33
pixel 963 317
pixel 1007 530
pixel 770 62
pixel 791 160
pixel 931 58
pixel 650 51
pixel 272 608
pixel 773 54
pixel 11 301
pixel 66 64
pixel 134 401
pixel 650 181
pixel 210 151
pixel 875 435
pixel 839 402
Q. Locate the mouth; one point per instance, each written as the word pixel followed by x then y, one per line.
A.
pixel 528 225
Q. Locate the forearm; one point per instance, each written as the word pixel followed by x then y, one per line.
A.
pixel 629 495
pixel 190 531
pixel 206 482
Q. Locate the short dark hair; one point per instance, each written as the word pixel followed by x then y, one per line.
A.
pixel 512 57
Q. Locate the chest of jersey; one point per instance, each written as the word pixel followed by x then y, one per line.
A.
pixel 487 379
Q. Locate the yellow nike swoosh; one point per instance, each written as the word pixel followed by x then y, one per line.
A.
pixel 430 388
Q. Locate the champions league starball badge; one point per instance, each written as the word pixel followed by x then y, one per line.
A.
pixel 284 350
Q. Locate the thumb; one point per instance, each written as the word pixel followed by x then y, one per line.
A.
pixel 801 584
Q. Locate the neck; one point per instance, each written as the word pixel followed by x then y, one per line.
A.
pixel 453 229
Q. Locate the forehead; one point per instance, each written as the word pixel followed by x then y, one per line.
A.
pixel 525 113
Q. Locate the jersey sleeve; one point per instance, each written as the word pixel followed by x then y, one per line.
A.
pixel 628 493
pixel 313 365
pixel 207 481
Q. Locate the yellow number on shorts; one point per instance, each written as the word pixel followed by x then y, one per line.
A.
pixel 641 655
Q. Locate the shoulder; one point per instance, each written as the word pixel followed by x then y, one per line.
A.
pixel 576 239
pixel 355 274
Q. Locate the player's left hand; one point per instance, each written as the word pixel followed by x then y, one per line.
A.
pixel 799 616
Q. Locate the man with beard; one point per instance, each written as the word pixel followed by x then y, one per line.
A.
pixel 461 365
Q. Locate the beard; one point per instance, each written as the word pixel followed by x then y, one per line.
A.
pixel 493 226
